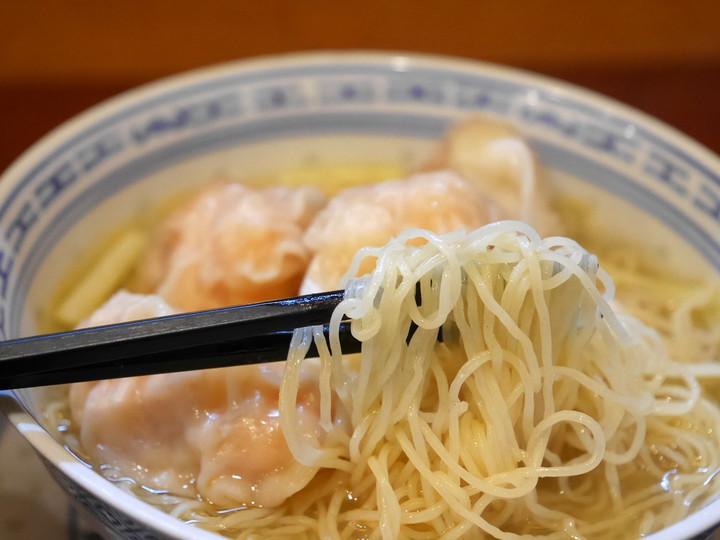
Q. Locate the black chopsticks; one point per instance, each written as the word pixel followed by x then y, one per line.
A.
pixel 242 335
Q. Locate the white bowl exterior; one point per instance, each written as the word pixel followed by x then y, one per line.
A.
pixel 251 117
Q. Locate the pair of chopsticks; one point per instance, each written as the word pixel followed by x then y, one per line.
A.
pixel 242 335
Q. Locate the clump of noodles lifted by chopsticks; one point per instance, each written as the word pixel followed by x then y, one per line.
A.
pixel 542 411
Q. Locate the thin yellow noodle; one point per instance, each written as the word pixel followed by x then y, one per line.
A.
pixel 480 440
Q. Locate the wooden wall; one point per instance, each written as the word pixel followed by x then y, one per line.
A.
pixel 59 56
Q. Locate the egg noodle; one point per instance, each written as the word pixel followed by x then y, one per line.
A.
pixel 498 395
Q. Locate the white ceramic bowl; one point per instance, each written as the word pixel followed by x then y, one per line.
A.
pixel 654 184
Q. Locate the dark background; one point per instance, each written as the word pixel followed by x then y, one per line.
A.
pixel 58 57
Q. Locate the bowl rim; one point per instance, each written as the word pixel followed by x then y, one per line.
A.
pixel 43 443
pixel 397 60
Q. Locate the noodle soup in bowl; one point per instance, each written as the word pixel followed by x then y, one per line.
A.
pixel 642 196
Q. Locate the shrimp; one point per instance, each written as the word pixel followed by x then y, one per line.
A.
pixel 371 215
pixel 216 431
pixel 499 161
pixel 483 171
pixel 231 245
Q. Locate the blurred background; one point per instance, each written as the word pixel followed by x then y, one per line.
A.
pixel 58 57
